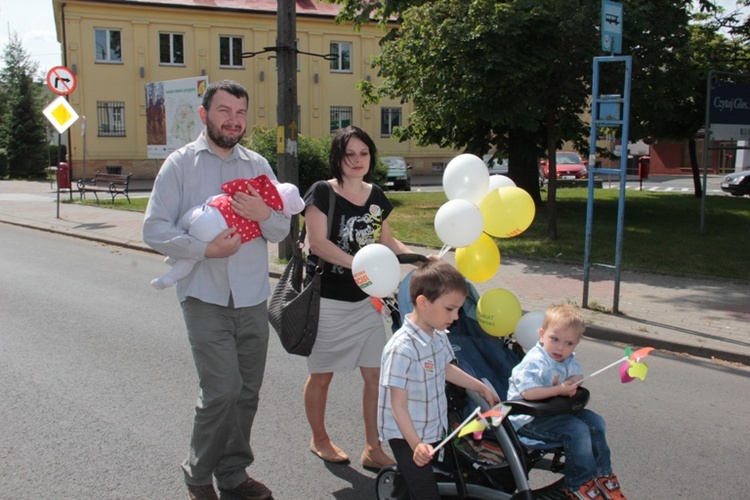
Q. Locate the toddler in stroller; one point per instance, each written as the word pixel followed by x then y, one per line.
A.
pixel 498 466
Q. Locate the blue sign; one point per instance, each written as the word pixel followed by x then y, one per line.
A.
pixel 611 27
pixel 729 111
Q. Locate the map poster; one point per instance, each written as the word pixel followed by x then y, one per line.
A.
pixel 172 114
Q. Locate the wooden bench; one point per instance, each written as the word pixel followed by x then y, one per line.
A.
pixel 113 184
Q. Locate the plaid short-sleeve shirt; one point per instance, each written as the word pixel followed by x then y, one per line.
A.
pixel 415 362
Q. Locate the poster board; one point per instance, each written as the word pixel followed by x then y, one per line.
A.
pixel 172 114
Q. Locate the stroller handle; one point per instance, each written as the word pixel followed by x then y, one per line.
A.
pixel 411 258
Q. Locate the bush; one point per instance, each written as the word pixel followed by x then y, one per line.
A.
pixel 3 164
pixel 312 156
pixel 53 154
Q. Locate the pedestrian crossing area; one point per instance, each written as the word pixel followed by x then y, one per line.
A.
pixel 659 189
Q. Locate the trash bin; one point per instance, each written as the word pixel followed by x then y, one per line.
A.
pixel 114 169
pixel 644 167
pixel 63 176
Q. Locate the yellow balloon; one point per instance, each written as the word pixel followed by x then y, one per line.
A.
pixel 498 311
pixel 480 260
pixel 507 211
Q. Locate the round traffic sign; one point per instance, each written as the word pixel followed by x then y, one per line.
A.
pixel 61 80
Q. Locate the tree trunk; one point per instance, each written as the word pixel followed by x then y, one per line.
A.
pixel 695 169
pixel 523 166
pixel 552 179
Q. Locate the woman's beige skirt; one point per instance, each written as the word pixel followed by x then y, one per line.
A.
pixel 350 335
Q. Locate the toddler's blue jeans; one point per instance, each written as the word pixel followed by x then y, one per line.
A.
pixel 584 440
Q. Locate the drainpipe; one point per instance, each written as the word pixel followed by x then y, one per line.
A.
pixel 65 63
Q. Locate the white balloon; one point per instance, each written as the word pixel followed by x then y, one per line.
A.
pixel 527 329
pixel 466 177
pixel 498 181
pixel 376 270
pixel 459 223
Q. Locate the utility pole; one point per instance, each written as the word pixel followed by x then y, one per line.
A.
pixel 286 111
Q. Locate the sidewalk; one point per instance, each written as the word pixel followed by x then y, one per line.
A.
pixel 696 316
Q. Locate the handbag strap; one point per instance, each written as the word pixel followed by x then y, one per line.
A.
pixel 331 206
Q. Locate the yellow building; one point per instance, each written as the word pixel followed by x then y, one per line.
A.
pixel 116 48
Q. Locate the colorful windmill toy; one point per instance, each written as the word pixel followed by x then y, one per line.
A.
pixel 633 368
pixel 476 423
pixel 630 370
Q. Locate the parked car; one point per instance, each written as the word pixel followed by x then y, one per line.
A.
pixel 398 177
pixel 496 166
pixel 500 167
pixel 737 184
pixel 570 166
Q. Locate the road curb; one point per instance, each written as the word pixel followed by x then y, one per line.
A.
pixel 608 334
pixel 592 330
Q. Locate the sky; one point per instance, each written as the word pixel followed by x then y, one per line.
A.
pixel 34 23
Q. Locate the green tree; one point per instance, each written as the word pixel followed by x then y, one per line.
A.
pixel 22 132
pixel 517 73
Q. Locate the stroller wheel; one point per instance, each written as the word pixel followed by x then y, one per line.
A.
pixel 390 484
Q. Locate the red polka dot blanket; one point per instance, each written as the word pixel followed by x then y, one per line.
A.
pixel 247 229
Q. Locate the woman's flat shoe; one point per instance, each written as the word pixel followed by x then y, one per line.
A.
pixel 369 463
pixel 338 457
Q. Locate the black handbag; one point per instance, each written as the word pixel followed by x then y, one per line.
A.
pixel 294 308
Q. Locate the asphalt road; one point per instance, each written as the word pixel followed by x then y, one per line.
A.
pixel 98 388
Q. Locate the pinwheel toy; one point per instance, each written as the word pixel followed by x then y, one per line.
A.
pixel 476 423
pixel 632 367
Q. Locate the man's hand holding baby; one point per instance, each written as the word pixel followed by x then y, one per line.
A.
pixel 227 243
pixel 250 205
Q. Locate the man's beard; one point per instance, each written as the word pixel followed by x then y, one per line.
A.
pixel 221 140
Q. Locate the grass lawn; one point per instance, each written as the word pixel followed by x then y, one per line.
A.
pixel 662 230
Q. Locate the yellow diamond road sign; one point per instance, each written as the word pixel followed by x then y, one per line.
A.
pixel 60 114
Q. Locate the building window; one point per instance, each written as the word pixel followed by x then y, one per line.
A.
pixel 230 51
pixel 438 167
pixel 343 53
pixel 111 119
pixel 341 116
pixel 171 48
pixel 389 119
pixel 108 45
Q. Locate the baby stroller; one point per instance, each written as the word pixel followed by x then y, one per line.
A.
pixel 499 466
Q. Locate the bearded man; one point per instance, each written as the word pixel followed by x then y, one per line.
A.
pixel 223 300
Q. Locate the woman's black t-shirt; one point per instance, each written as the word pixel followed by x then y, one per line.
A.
pixel 353 227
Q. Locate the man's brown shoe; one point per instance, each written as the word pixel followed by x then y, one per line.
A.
pixel 202 492
pixel 251 489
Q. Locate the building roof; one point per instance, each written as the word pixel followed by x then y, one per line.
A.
pixel 304 7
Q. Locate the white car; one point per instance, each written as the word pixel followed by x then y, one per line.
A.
pixel 496 166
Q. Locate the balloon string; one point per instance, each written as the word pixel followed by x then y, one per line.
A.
pixel 443 251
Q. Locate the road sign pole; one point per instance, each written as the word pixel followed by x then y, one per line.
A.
pixel 62 81
pixel 57 173
pixel 83 138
